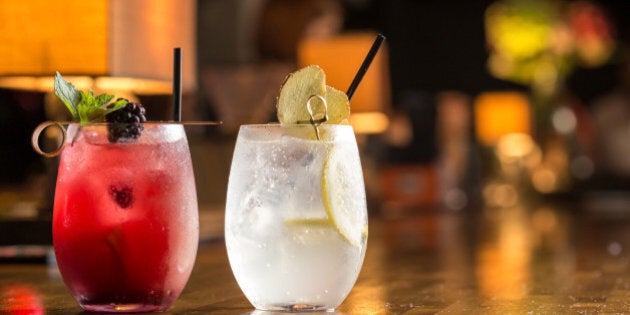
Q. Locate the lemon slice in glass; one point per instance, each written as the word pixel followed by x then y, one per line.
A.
pixel 310 222
pixel 342 193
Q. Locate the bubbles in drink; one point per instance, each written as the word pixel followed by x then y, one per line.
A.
pixel 279 233
pixel 126 213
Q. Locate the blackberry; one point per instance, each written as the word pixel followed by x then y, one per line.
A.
pixel 126 123
pixel 122 194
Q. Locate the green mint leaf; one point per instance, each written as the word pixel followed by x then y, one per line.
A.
pixel 103 99
pixel 90 114
pixel 84 106
pixel 68 94
pixel 115 106
pixel 89 109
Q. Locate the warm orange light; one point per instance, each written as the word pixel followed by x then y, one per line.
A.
pixel 98 38
pixel 143 35
pixel 504 263
pixel 515 146
pixel 341 56
pixel 501 113
pixel 41 36
pixel 369 122
pixel 134 85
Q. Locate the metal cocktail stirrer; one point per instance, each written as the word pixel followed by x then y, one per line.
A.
pixel 323 117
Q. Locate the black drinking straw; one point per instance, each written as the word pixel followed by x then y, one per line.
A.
pixel 380 38
pixel 177 84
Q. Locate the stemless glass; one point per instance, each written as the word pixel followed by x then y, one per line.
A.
pixel 296 215
pixel 125 218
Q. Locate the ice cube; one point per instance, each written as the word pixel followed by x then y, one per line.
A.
pixel 162 133
pixel 258 215
pixel 93 134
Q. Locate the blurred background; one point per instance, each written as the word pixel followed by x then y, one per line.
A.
pixel 469 105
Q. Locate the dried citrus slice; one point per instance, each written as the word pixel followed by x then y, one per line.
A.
pixel 343 195
pixel 338 106
pixel 296 90
pixel 300 87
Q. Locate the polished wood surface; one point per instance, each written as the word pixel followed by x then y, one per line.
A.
pixel 519 260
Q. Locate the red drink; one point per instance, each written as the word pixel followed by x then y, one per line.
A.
pixel 125 223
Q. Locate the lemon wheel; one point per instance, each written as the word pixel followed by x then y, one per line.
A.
pixel 343 194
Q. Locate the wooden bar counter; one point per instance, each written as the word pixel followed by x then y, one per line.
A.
pixel 519 260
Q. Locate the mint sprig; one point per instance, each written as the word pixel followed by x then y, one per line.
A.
pixel 84 106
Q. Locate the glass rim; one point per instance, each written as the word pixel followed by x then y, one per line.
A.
pixel 275 127
pixel 61 126
pixel 149 122
pixel 299 125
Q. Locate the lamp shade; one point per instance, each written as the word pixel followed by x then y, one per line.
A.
pixel 115 38
pixel 38 37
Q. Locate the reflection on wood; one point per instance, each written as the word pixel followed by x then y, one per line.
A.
pixel 517 260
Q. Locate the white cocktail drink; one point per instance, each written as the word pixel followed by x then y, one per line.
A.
pixel 296 217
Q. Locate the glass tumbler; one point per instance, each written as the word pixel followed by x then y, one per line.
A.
pixel 296 215
pixel 125 217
